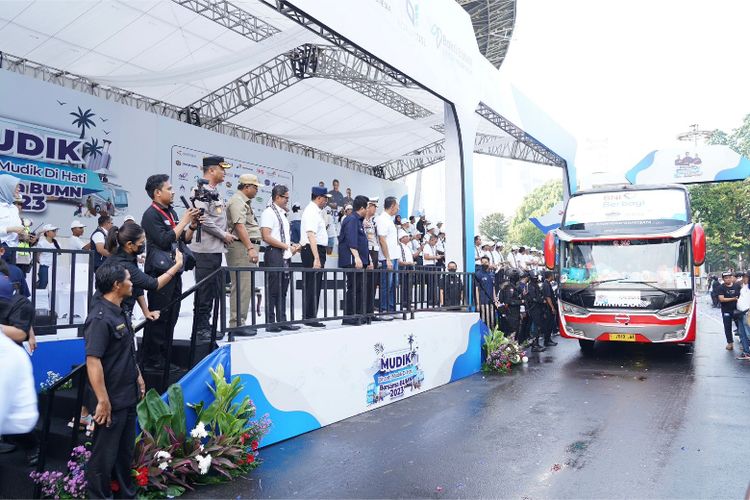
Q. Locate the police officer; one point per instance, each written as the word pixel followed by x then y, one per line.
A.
pixel 485 290
pixel 512 301
pixel 115 381
pixel 313 240
pixel 243 252
pixel 550 312
pixel 728 293
pixel 452 288
pixel 535 305
pixel 208 252
pixel 354 255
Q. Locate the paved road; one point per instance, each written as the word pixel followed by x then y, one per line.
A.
pixel 630 422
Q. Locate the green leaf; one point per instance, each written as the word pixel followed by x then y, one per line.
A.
pixel 175 491
pixel 177 407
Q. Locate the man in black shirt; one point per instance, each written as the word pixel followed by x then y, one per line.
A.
pixel 452 288
pixel 115 381
pixel 728 293
pixel 536 305
pixel 163 231
pixel 549 308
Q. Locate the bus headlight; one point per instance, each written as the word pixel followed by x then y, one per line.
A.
pixel 573 310
pixel 676 311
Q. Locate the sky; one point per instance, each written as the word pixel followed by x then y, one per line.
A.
pixel 624 78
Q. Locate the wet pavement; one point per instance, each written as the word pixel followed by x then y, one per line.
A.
pixel 632 421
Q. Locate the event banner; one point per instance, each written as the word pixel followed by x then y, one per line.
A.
pixel 311 379
pixel 690 165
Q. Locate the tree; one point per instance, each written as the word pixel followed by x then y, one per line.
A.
pixel 494 227
pixel 83 119
pixel 722 210
pixel 522 231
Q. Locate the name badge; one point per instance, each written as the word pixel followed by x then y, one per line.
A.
pixel 120 327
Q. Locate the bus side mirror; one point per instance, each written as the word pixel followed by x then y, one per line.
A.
pixel 549 250
pixel 699 245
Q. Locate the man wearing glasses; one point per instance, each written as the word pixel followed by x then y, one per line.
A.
pixel 275 232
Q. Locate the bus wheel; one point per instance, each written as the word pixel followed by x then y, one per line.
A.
pixel 587 346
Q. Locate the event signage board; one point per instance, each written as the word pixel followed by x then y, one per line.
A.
pixel 627 206
pixel 690 165
pixel 78 154
pixel 310 379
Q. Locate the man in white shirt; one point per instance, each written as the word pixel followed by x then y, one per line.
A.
pixel 373 247
pixel 430 256
pixel 513 258
pixel 48 243
pixel 406 262
pixel 389 251
pixel 522 259
pixel 274 228
pixel 477 251
pixel 18 404
pixel 75 241
pixel 313 239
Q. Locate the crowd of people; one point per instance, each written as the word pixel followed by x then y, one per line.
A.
pixel 732 296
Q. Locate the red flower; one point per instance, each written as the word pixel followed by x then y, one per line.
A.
pixel 141 477
pixel 114 486
pixel 254 445
pixel 250 458
pixel 244 437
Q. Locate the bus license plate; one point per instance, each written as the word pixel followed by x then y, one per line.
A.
pixel 622 337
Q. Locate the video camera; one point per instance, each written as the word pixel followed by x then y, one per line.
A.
pixel 203 195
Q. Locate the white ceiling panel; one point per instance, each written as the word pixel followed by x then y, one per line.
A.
pixel 62 53
pixel 12 8
pixel 98 24
pixel 93 62
pixel 142 35
pixel 49 17
pixel 19 41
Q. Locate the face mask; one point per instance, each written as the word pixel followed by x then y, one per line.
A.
pixel 140 249
pixel 451 270
pixel 485 266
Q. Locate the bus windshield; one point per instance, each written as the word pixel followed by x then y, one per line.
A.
pixel 629 264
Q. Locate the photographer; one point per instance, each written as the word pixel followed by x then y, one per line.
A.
pixel 163 230
pixel 213 240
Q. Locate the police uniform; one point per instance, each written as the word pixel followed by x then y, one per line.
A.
pixel 453 289
pixel 485 282
pixel 535 306
pixel 240 211
pixel 511 297
pixel 109 336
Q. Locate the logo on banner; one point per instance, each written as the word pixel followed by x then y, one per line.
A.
pixel 398 371
pixel 619 298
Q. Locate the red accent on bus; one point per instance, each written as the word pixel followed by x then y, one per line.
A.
pixel 634 320
pixel 549 250
pixel 699 245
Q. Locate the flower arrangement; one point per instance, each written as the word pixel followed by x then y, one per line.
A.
pixel 502 352
pixel 52 379
pixel 72 484
pixel 222 445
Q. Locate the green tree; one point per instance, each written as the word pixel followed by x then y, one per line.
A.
pixel 494 227
pixel 722 208
pixel 537 203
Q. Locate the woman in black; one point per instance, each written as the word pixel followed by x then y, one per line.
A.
pixel 125 244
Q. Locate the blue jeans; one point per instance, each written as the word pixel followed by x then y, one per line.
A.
pixel 388 285
pixel 42 277
pixel 742 329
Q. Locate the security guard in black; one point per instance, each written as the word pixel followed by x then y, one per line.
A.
pixel 728 293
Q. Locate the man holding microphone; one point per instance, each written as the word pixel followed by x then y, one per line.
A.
pixel 313 240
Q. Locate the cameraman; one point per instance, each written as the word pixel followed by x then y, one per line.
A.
pixel 212 244
pixel 163 230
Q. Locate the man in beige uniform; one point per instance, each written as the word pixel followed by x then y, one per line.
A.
pixel 243 252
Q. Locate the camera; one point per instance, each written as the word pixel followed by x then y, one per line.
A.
pixel 204 195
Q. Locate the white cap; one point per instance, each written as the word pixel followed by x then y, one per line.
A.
pixel 75 224
pixel 49 227
pixel 401 233
pixel 348 207
pixel 128 217
pixel 373 200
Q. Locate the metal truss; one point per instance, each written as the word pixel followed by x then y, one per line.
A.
pixel 539 152
pixel 283 71
pixel 301 18
pixel 231 17
pixel 81 84
pixel 413 161
pixel 493 22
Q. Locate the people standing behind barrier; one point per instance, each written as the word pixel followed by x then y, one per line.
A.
pixel 389 250
pixel 14 273
pixel 728 293
pixel 244 251
pixel 417 247
pixel 373 249
pixel 213 244
pixel 98 240
pixel 313 238
pixel 550 311
pixel 25 240
pixel 165 231
pixel 116 383
pixel 274 228
pixel 406 263
pixel 46 259
pixel 440 249
pixel 484 280
pixel 477 251
pixel 451 288
pixel 353 255
pixel 11 226
pixel 74 241
pixel 336 201
pixel 125 245
pixel 431 266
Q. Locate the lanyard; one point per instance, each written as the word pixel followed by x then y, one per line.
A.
pixel 281 223
pixel 165 214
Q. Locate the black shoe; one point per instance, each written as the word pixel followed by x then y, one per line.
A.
pixel 205 336
pixel 7 447
pixel 351 322
pixel 290 328
pixel 537 348
pixel 246 331
pixel 376 318
pixel 316 324
pixel 550 343
pixel 273 329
